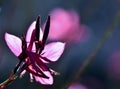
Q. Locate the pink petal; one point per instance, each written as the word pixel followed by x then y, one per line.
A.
pixel 45 81
pixel 53 51
pixel 30 30
pixel 41 34
pixel 14 43
pixel 34 48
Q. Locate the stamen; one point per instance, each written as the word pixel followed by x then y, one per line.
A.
pixel 54 72
pixel 33 59
pixel 42 65
pixel 31 78
pixel 45 59
pixel 22 73
pixel 36 74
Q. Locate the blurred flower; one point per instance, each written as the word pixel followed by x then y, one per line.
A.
pixel 114 65
pixel 34 54
pixel 65 26
pixel 77 86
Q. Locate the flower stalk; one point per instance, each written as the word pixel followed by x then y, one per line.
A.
pixel 8 81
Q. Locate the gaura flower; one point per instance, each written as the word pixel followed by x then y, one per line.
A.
pixel 33 54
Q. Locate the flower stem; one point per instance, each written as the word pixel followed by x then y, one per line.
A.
pixel 8 81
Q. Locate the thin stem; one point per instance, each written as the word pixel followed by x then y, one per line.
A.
pixel 8 81
pixel 13 75
pixel 91 57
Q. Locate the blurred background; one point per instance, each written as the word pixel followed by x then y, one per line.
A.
pixel 79 23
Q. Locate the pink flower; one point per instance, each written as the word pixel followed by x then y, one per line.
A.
pixel 77 86
pixel 34 54
pixel 65 26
